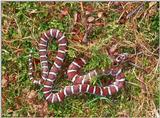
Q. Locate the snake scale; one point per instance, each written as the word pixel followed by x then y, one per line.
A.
pixel 81 83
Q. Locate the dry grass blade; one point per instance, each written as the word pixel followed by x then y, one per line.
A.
pixel 136 31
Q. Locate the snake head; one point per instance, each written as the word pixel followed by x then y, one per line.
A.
pixel 121 58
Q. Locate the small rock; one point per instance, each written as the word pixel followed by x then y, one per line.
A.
pixel 4 83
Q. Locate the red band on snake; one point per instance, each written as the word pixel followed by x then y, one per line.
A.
pixel 81 82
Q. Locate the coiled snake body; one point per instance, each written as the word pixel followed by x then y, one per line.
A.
pixel 80 82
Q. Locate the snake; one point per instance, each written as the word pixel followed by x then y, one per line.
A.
pixel 81 82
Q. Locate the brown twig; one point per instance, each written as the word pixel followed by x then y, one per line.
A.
pixel 140 7
pixel 81 4
pixel 88 29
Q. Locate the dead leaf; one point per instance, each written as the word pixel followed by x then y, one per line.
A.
pixel 77 37
pixel 90 19
pixel 99 24
pixel 116 4
pixel 5 81
pixel 89 8
pixel 64 12
pixel 75 31
pixel 100 14
pixel 88 13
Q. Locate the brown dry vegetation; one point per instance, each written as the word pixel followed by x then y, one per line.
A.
pixel 110 23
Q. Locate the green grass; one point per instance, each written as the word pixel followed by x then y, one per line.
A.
pixel 22 25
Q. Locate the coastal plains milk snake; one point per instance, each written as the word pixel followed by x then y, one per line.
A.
pixel 81 83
